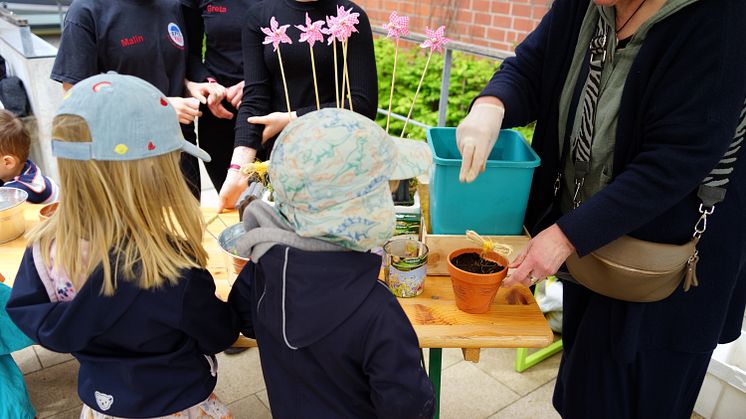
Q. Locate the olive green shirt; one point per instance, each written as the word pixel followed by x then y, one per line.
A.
pixel 613 76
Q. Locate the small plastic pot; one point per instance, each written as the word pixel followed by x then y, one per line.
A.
pixel 475 292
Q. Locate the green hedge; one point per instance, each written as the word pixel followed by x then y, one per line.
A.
pixel 469 75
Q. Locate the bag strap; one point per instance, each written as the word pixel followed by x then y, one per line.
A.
pixel 712 189
pixel 582 145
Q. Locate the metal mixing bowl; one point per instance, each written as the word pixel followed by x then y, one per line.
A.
pixel 227 240
pixel 12 223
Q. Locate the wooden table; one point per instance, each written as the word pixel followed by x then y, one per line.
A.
pixel 434 315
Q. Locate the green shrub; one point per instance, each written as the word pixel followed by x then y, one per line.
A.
pixel 469 75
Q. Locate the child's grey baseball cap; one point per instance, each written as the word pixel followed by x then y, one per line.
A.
pixel 129 119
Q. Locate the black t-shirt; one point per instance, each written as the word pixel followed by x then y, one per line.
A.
pixel 221 21
pixel 143 38
pixel 264 92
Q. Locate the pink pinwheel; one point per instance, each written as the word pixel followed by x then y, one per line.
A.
pixel 343 26
pixel 435 39
pixel 346 20
pixel 398 26
pixel 332 29
pixel 312 32
pixel 276 34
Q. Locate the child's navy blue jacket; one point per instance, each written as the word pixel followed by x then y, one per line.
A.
pixel 334 342
pixel 142 353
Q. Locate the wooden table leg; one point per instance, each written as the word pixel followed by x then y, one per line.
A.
pixel 434 370
pixel 471 354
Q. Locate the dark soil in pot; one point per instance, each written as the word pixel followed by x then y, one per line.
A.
pixel 472 262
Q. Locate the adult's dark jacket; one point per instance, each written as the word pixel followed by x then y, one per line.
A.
pixel 142 353
pixel 677 116
pixel 334 341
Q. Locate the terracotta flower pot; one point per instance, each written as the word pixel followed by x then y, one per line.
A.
pixel 238 264
pixel 475 292
pixel 46 211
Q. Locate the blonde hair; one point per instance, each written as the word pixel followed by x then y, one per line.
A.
pixel 141 222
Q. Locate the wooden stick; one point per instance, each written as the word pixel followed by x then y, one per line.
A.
pixel 285 84
pixel 393 80
pixel 315 83
pixel 347 74
pixel 336 77
pixel 417 92
pixel 344 76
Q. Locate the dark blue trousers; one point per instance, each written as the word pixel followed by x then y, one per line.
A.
pixel 606 372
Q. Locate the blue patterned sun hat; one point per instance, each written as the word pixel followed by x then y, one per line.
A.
pixel 330 171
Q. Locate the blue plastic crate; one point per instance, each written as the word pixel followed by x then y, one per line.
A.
pixel 495 203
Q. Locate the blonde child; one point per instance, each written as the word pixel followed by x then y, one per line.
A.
pixel 16 169
pixel 117 275
pixel 333 340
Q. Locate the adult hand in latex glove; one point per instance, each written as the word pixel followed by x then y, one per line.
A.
pixel 476 135
pixel 186 108
pixel 273 123
pixel 234 94
pixel 235 182
pixel 542 257
pixel 211 94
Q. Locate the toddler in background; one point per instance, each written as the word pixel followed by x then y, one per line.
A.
pixel 16 170
pixel 334 341
pixel 117 275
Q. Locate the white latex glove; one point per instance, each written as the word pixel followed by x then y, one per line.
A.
pixel 475 137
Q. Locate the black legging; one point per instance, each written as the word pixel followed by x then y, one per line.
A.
pixel 216 138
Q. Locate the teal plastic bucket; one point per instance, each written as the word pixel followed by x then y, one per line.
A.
pixel 495 203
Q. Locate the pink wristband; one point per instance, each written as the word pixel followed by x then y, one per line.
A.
pixel 234 166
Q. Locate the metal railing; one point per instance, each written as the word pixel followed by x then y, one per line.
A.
pixel 445 83
pixel 13 18
pixel 42 15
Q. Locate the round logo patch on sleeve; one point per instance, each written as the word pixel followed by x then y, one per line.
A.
pixel 175 34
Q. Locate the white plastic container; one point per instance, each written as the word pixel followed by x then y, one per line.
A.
pixel 723 393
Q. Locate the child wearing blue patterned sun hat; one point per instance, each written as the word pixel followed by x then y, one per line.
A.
pixel 334 341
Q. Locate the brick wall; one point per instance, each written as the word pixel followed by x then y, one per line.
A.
pixel 495 24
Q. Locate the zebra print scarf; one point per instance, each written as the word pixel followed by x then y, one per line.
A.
pixel 712 189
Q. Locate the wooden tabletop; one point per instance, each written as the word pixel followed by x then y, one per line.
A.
pixel 434 315
pixel 11 252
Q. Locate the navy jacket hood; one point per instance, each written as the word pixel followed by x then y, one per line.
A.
pixel 334 341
